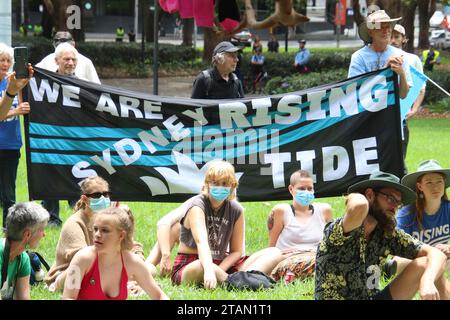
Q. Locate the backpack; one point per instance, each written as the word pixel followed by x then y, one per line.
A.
pixel 209 81
pixel 249 280
pixel 36 262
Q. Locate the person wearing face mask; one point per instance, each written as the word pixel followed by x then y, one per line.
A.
pixel 297 229
pixel 212 234
pixel 77 232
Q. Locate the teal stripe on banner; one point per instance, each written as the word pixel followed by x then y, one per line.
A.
pixel 66 159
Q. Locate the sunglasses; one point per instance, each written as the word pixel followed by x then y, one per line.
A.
pixel 96 195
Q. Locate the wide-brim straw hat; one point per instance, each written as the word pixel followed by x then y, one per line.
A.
pixel 427 166
pixel 380 179
pixel 374 21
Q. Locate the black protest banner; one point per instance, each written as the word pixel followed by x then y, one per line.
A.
pixel 153 148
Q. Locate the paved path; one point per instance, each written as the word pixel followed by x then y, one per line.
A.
pixel 167 86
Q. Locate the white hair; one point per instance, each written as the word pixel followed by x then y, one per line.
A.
pixel 26 215
pixel 219 58
pixel 7 51
pixel 65 47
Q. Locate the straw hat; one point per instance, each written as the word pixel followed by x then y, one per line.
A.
pixel 374 21
pixel 427 166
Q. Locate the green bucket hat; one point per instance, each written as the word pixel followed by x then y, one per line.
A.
pixel 426 166
pixel 380 179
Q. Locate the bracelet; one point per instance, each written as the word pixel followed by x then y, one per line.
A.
pixel 12 96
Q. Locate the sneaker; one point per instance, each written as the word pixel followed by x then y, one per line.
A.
pixel 390 268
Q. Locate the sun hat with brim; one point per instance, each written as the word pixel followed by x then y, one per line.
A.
pixel 225 46
pixel 380 179
pixel 427 166
pixel 373 21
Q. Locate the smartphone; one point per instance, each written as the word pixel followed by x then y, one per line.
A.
pixel 21 62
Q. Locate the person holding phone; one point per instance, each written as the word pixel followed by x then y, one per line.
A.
pixel 11 108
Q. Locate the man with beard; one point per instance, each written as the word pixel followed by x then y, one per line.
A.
pixel 354 248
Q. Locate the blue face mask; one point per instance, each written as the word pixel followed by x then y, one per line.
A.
pixel 99 203
pixel 304 198
pixel 219 193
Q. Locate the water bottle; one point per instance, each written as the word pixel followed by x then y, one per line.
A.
pixel 36 266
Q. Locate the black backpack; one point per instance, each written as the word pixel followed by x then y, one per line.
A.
pixel 249 280
pixel 209 81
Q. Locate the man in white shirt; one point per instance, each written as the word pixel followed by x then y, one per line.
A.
pixel 399 40
pixel 85 68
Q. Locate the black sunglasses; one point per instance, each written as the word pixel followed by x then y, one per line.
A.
pixel 96 195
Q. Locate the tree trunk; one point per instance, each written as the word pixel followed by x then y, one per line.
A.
pixel 60 16
pixel 392 7
pixel 408 14
pixel 357 12
pixel 210 40
pixel 426 10
pixel 188 30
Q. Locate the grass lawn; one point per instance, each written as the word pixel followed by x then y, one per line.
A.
pixel 430 138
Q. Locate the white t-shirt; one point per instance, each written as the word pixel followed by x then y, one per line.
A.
pixel 296 236
pixel 85 69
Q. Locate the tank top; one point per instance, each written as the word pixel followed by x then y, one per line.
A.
pixel 91 287
pixel 296 236
pixel 219 226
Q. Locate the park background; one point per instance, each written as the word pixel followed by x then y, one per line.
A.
pixel 130 66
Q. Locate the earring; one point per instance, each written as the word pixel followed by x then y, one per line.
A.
pixel 421 195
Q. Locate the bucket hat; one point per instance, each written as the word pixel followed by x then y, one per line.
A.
pixel 374 21
pixel 426 166
pixel 380 179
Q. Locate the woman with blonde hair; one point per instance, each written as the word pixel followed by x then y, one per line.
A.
pixel 101 271
pixel 77 232
pixel 212 233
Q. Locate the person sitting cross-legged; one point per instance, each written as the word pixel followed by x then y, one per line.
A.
pixel 297 229
pixel 354 248
pixel 212 234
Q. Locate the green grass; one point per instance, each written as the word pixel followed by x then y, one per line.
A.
pixel 430 138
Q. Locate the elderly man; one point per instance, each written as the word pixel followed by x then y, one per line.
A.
pixel 25 225
pixel 85 68
pixel 220 82
pixel 66 59
pixel 377 54
pixel 354 248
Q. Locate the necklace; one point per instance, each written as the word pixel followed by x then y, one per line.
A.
pixel 379 54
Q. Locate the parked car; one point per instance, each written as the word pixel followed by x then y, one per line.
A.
pixel 436 19
pixel 243 38
pixel 435 33
pixel 442 41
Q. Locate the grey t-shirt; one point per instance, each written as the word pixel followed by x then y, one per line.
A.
pixel 219 225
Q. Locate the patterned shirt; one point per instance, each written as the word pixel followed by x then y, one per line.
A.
pixel 348 266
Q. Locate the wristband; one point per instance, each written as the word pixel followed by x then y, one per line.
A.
pixel 12 96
